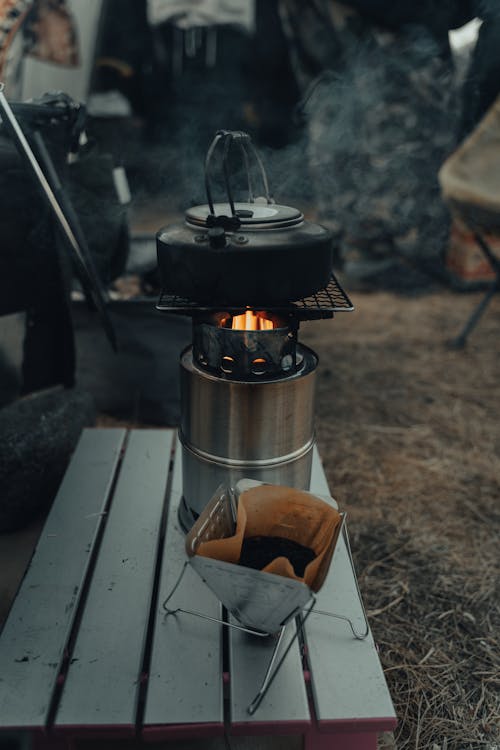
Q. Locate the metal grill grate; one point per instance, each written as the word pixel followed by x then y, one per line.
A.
pixel 323 304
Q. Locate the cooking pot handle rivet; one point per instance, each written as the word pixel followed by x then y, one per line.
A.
pixel 241 239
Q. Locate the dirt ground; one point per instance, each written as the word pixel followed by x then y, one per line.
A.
pixel 410 437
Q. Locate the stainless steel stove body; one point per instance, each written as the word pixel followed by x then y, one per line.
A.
pixel 247 410
pixel 247 396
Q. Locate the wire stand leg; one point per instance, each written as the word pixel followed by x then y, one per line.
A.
pixel 360 636
pixel 267 677
pixel 176 586
pixel 270 673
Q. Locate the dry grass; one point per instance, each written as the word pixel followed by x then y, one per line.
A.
pixel 410 437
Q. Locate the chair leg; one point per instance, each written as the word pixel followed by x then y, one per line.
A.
pixel 459 341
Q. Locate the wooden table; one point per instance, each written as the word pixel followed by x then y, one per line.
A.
pixel 87 650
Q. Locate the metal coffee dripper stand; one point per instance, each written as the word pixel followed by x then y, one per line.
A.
pixel 263 603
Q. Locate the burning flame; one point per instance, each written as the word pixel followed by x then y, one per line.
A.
pixel 251 321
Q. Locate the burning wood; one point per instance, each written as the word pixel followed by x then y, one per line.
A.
pixel 249 321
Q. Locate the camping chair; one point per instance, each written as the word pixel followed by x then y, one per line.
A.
pixel 470 184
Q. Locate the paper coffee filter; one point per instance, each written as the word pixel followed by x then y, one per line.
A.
pixel 277 511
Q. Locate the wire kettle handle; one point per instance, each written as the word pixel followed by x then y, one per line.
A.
pixel 226 138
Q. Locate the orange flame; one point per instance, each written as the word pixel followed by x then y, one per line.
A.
pixel 251 321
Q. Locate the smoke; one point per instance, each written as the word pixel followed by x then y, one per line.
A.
pixel 378 132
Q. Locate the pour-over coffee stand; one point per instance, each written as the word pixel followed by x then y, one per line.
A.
pixel 261 604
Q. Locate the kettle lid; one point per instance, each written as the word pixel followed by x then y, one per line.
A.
pixel 252 215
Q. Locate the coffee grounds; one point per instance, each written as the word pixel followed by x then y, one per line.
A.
pixel 259 551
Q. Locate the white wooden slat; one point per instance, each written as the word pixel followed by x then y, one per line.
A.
pixel 103 680
pixel 346 675
pixel 185 680
pixel 38 627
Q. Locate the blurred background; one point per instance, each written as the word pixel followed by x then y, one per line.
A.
pixel 379 119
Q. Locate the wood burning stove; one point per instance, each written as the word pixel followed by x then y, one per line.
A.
pixel 247 384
